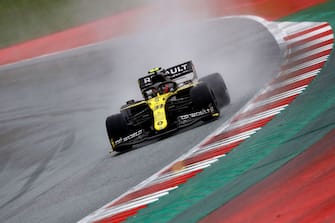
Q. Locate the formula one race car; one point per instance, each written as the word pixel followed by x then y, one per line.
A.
pixel 173 98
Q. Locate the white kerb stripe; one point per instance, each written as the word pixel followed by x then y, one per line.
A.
pixel 310 34
pixel 306 64
pixel 227 141
pixel 281 96
pixel 292 80
pixel 188 169
pixel 107 212
pixel 136 203
pixel 312 43
pixel 310 53
pixel 257 117
pixel 296 27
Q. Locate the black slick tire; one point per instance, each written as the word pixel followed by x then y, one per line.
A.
pixel 202 96
pixel 116 127
pixel 217 84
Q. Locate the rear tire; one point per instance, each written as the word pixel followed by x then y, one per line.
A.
pixel 116 126
pixel 217 84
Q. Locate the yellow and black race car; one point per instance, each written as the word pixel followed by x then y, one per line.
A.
pixel 173 98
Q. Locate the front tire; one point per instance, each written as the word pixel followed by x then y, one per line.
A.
pixel 218 85
pixel 202 96
pixel 116 126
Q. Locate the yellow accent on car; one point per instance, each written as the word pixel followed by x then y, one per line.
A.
pixel 133 105
pixel 112 143
pixel 215 114
pixel 157 105
pixel 153 70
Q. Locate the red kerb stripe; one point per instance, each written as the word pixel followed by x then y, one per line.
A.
pixel 315 37
pixel 156 187
pixel 310 48
pixel 120 217
pixel 308 58
pixel 295 35
pixel 285 89
pixel 211 153
pixel 267 107
pixel 298 72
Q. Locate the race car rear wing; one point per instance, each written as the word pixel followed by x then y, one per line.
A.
pixel 180 73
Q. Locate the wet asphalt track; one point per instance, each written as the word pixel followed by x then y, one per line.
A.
pixel 54 161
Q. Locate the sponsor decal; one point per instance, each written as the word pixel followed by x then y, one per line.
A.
pixel 172 72
pixel 187 117
pixel 129 137
pixel 147 80
pixel 178 69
